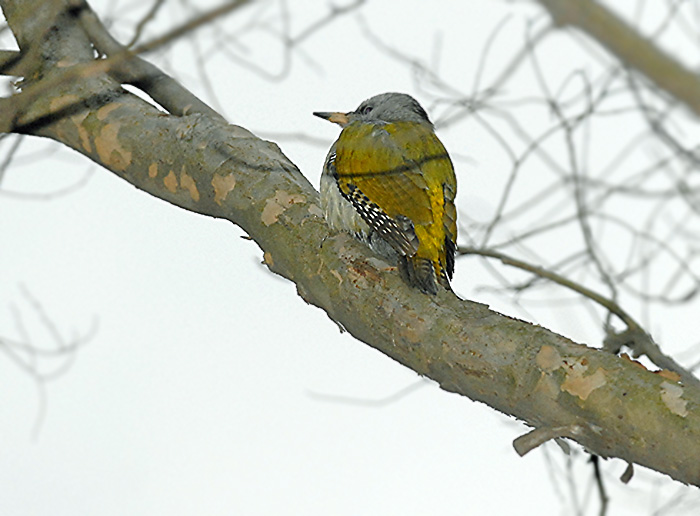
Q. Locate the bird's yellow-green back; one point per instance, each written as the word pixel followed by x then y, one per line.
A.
pixel 400 178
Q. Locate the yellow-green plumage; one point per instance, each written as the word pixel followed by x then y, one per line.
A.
pixel 399 178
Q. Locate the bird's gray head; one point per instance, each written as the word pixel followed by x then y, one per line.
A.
pixel 387 107
pixel 390 107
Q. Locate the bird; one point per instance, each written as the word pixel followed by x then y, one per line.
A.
pixel 390 182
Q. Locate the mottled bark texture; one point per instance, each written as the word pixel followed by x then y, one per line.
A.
pixel 610 405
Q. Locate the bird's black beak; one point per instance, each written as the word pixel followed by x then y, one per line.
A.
pixel 337 118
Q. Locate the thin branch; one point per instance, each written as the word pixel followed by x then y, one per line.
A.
pixel 600 484
pixel 10 155
pixel 149 16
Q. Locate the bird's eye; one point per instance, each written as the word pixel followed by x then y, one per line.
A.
pixel 366 110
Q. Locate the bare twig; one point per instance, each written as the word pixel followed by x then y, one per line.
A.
pixel 42 363
pixel 537 437
pixel 150 15
pixel 14 147
pixel 600 484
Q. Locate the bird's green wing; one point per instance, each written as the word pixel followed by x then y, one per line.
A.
pixel 405 171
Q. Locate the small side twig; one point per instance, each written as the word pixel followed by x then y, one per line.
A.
pixel 537 437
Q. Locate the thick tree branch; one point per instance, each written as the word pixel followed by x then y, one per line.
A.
pixel 629 46
pixel 609 405
pixel 634 337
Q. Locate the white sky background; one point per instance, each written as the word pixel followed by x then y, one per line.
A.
pixel 197 392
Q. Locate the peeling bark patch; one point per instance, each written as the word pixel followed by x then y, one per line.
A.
pixel 170 182
pixel 188 183
pixel 547 386
pixel 278 204
pixel 267 259
pixel 66 63
pixel 104 111
pixel 413 330
pixel 315 209
pixel 110 151
pixel 338 276
pixel 576 382
pixel 222 186
pixel 82 132
pixel 153 170
pixel 671 396
pixel 669 375
pixel 364 269
pixel 64 102
pixel 548 359
pixel 579 385
pixel 625 356
pixel 358 272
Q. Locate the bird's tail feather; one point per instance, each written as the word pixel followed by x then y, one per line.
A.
pixel 423 274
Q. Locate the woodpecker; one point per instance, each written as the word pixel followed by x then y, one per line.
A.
pixel 389 181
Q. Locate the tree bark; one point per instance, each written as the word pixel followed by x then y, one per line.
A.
pixel 610 405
